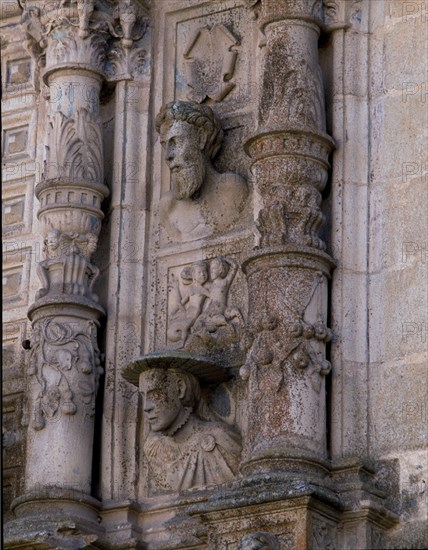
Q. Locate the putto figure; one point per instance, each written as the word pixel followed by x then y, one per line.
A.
pixel 186 447
pixel 201 201
pixel 199 304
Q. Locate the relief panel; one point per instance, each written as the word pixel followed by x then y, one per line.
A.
pixel 213 56
pixel 15 141
pixel 200 313
pixel 18 72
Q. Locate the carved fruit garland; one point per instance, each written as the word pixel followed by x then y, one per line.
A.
pixel 65 362
pixel 264 342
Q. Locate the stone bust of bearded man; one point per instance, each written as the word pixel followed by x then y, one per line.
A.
pixel 201 201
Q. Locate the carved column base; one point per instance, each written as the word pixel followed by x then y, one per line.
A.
pixel 292 463
pixel 73 520
pixel 270 508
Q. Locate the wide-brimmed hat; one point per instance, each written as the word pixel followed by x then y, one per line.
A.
pixel 205 370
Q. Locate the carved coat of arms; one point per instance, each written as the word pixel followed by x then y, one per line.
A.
pixel 210 64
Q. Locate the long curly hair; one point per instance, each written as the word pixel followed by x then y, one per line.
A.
pixel 200 116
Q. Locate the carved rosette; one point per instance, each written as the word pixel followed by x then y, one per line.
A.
pixel 288 271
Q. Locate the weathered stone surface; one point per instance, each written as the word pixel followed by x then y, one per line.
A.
pixel 215 220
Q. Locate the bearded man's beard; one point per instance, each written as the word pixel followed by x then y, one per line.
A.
pixel 186 181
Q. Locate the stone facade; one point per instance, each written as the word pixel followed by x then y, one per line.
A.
pixel 215 222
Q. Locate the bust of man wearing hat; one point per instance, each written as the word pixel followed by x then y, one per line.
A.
pixel 183 449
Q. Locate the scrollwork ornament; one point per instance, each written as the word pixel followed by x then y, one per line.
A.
pixel 65 361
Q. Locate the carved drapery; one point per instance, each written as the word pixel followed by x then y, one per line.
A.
pixel 288 272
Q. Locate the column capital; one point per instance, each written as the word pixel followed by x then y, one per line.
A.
pixel 79 34
pixel 271 11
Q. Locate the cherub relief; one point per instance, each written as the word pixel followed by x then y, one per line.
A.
pixel 199 304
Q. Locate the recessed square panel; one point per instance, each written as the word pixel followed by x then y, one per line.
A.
pixel 12 283
pixel 18 71
pixel 13 211
pixel 15 141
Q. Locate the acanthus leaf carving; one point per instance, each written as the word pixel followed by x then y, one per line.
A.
pixel 126 57
pixel 126 63
pixel 68 46
pixel 77 146
pixel 65 361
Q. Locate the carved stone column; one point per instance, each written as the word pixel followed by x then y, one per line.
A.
pixel 69 41
pixel 288 272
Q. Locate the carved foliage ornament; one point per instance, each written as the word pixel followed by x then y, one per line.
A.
pixel 210 64
pixel 199 308
pixel 65 361
pixel 75 147
pixel 78 31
